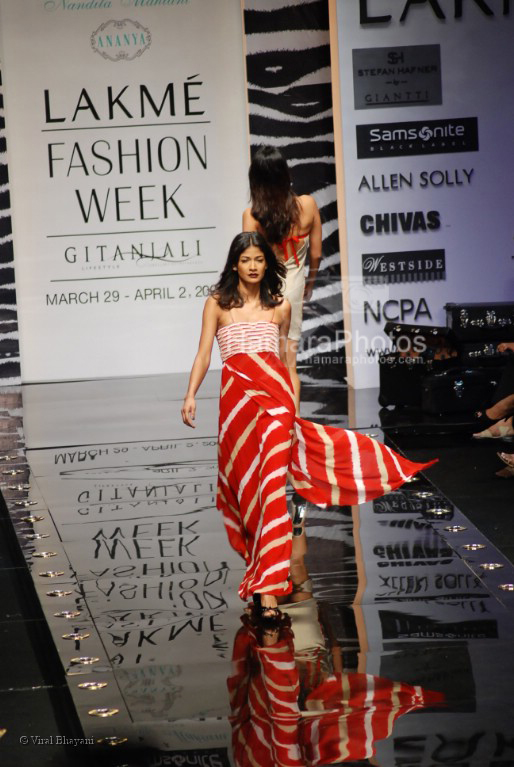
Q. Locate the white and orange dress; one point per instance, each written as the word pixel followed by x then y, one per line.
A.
pixel 262 443
pixel 294 249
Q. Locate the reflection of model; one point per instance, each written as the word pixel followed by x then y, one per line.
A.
pixel 292 226
pixel 256 451
pixel 286 718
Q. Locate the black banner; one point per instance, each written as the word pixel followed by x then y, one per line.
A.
pixel 444 136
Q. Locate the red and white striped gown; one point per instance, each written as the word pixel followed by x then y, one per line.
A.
pixel 262 443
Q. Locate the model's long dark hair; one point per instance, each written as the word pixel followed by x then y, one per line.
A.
pixel 226 290
pixel 274 204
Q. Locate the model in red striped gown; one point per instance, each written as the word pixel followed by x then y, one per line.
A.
pixel 262 442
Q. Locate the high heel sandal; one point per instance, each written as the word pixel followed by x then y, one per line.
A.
pixel 507 458
pixel 303 588
pixel 502 429
pixel 298 510
pixel 263 612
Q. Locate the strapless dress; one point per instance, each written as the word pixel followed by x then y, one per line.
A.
pixel 247 338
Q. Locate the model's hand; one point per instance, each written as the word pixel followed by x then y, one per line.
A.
pixel 189 411
pixel 307 293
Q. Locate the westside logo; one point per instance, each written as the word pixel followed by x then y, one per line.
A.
pixel 444 136
pixel 403 266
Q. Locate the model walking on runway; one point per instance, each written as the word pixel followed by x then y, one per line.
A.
pixel 292 226
pixel 262 442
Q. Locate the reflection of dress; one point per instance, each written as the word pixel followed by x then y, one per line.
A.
pixel 344 714
pixel 262 443
pixel 295 253
pixel 263 690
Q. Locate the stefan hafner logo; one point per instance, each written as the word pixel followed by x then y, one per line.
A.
pixel 121 40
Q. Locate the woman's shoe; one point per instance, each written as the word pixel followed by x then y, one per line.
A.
pixel 303 588
pixel 298 509
pixel 497 430
pixel 263 611
pixel 507 458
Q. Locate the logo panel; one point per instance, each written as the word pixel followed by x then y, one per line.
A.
pixel 408 75
pixel 121 40
pixel 404 266
pixel 445 136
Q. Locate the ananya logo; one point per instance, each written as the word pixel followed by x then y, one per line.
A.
pixel 121 40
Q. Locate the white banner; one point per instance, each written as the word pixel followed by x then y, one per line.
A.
pixel 428 162
pixel 128 156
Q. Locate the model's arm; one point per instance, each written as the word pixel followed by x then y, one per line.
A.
pixel 202 359
pixel 314 249
pixel 284 319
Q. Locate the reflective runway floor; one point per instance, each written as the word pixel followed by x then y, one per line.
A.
pixel 122 628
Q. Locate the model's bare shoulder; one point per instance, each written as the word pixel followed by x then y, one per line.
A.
pixel 211 306
pixel 307 203
pixel 250 224
pixel 308 211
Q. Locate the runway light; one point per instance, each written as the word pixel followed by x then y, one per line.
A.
pixel 423 494
pixel 103 712
pixel 32 519
pixel 77 635
pixel 437 512
pixel 455 529
pixel 506 586
pixel 44 554
pixel 36 536
pixel 25 504
pixel 13 472
pixel 474 546
pixel 491 566
pixel 92 686
pixel 58 593
pixel 84 660
pixel 52 574
pixel 68 614
pixel 111 740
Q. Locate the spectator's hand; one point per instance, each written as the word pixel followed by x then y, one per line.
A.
pixel 506 347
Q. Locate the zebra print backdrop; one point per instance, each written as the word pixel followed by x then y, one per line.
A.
pixel 290 106
pixel 9 349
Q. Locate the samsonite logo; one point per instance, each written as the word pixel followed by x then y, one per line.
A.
pixel 417 138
